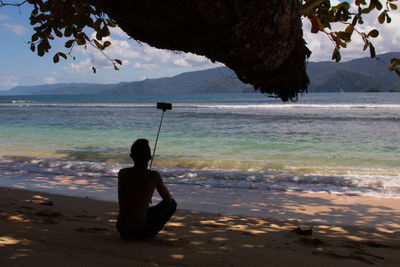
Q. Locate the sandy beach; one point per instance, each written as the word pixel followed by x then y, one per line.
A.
pixel 45 229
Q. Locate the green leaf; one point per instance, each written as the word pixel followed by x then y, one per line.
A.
pixel 395 61
pixel 336 55
pixel 366 10
pixel 397 70
pixel 111 23
pixel 388 19
pixel 33 47
pixel 63 55
pixel 69 43
pixel 393 6
pixel 97 24
pixel 115 67
pixel 378 5
pixel 99 35
pixel 56 58
pixel 106 44
pixel 57 32
pixel 99 46
pixel 381 17
pixel 67 31
pixel 365 46
pixel 343 35
pixel 118 61
pixel 40 49
pixel 81 41
pixel 349 29
pixel 372 50
pixel 374 33
pixel 94 69
pixel 35 37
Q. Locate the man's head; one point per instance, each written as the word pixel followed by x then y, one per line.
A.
pixel 140 151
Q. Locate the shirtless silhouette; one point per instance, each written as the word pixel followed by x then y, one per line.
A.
pixel 136 186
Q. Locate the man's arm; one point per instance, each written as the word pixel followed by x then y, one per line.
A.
pixel 162 188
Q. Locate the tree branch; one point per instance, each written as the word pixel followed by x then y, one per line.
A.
pixel 12 4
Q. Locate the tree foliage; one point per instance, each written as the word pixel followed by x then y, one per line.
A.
pixel 322 14
pixel 74 19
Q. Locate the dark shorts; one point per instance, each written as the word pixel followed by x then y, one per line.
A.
pixel 157 217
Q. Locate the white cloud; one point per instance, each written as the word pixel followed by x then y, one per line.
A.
pixel 15 28
pixel 181 62
pixel 145 66
pixel 85 65
pixel 8 80
pixel 49 80
pixel 119 32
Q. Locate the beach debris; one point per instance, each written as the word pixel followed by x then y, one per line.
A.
pixel 299 231
pixel 47 203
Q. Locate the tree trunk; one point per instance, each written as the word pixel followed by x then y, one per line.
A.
pixel 261 40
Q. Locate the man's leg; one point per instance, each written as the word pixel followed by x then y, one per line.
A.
pixel 159 215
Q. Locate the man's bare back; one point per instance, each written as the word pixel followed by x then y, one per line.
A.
pixel 136 186
pixel 135 190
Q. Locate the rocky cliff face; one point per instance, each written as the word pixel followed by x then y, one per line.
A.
pixel 260 40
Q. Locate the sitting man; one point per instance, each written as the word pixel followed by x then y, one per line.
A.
pixel 136 186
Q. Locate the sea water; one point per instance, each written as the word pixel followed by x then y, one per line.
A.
pixel 326 142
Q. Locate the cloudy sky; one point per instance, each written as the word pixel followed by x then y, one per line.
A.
pixel 19 66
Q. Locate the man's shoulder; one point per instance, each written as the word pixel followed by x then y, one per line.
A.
pixel 124 171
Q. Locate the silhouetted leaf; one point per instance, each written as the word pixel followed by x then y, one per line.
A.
pixel 374 33
pixel 99 46
pixel 69 43
pixel 372 50
pixel 381 17
pixel 63 55
pixel 56 58
pixel 106 44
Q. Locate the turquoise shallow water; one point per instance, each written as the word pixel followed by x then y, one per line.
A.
pixel 325 142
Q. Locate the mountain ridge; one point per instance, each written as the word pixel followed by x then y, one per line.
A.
pixel 357 75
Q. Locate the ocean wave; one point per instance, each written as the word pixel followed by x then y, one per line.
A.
pixel 207 106
pixel 362 184
pixel 296 106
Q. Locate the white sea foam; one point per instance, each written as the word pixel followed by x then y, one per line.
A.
pixel 376 185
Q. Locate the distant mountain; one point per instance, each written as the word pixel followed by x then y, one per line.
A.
pixel 218 80
pixel 358 75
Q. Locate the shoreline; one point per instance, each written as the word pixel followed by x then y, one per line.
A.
pixel 79 231
pixel 327 208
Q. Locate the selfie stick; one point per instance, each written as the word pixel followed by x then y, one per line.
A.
pixel 164 107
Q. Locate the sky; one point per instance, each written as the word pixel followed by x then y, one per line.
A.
pixel 20 66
